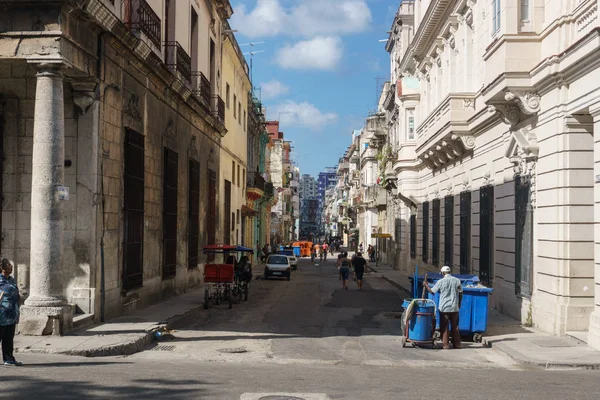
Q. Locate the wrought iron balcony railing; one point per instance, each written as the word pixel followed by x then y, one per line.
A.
pixel 269 189
pixel 139 16
pixel 202 87
pixel 255 180
pixel 178 60
pixel 218 107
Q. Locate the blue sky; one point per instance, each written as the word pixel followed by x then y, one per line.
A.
pixel 318 68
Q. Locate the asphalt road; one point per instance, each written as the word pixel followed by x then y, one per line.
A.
pixel 306 338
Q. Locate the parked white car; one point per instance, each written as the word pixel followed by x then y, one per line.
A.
pixel 278 265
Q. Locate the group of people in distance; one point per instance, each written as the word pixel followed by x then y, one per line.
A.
pixel 357 263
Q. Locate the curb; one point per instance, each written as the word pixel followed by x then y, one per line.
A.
pixel 120 349
pixel 522 359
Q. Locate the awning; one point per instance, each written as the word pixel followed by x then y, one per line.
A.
pixel 248 212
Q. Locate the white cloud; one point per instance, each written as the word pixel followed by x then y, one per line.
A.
pixel 308 18
pixel 305 114
pixel 273 89
pixel 318 53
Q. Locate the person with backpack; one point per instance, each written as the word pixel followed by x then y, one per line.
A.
pixel 345 270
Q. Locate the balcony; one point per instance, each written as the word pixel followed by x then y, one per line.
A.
pixel 218 107
pixel 255 180
pixel 178 60
pixel 202 87
pixel 141 18
pixel 343 166
pixel 376 196
pixel 444 135
pixel 376 124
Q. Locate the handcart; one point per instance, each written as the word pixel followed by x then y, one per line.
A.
pixel 229 280
pixel 418 322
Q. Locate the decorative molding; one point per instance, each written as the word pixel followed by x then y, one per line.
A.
pixel 466 184
pixel 587 18
pixel 193 144
pixel 469 18
pixel 487 178
pixel 133 107
pixel 170 131
pixel 447 150
pixel 449 188
pixel 469 104
pixel 528 102
pixel 468 141
pixel 509 113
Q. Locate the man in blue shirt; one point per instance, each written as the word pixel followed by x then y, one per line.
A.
pixel 451 292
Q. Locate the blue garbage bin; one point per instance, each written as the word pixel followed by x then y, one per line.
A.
pixel 473 313
pixel 296 251
pixel 420 325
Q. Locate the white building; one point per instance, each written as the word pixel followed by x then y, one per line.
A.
pixel 493 113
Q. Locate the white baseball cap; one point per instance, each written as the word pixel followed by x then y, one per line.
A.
pixel 445 268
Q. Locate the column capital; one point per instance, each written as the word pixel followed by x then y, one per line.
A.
pixel 49 68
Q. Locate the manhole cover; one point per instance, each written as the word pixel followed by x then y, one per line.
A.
pixel 233 350
pixel 163 348
pixel 281 398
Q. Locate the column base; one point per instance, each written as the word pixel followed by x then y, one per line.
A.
pixel 594 332
pixel 41 321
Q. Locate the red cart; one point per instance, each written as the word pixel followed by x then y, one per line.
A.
pixel 219 279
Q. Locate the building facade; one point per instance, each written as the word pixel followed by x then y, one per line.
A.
pixel 235 91
pixel 113 128
pixel 483 142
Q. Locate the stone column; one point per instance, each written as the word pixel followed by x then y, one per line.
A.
pixel 46 311
pixel 594 330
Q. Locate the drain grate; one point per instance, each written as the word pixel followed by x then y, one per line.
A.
pixel 233 350
pixel 163 348
pixel 281 398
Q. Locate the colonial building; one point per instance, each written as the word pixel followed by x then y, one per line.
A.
pixel 259 192
pixel 493 111
pixel 112 124
pixel 234 146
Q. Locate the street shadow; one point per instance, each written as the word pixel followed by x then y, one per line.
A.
pixel 71 364
pixel 23 387
pixel 229 337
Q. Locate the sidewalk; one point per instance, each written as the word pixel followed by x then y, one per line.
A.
pixel 523 344
pixel 121 336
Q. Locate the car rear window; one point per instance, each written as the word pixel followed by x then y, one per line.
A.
pixel 278 260
pixel 286 252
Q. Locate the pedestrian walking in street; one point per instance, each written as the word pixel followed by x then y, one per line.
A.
pixel 370 252
pixel 345 270
pixel 338 262
pixel 325 249
pixel 451 293
pixel 267 250
pixel 359 264
pixel 9 312
pixel 360 248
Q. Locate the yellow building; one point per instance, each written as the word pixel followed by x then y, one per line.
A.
pixel 234 146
